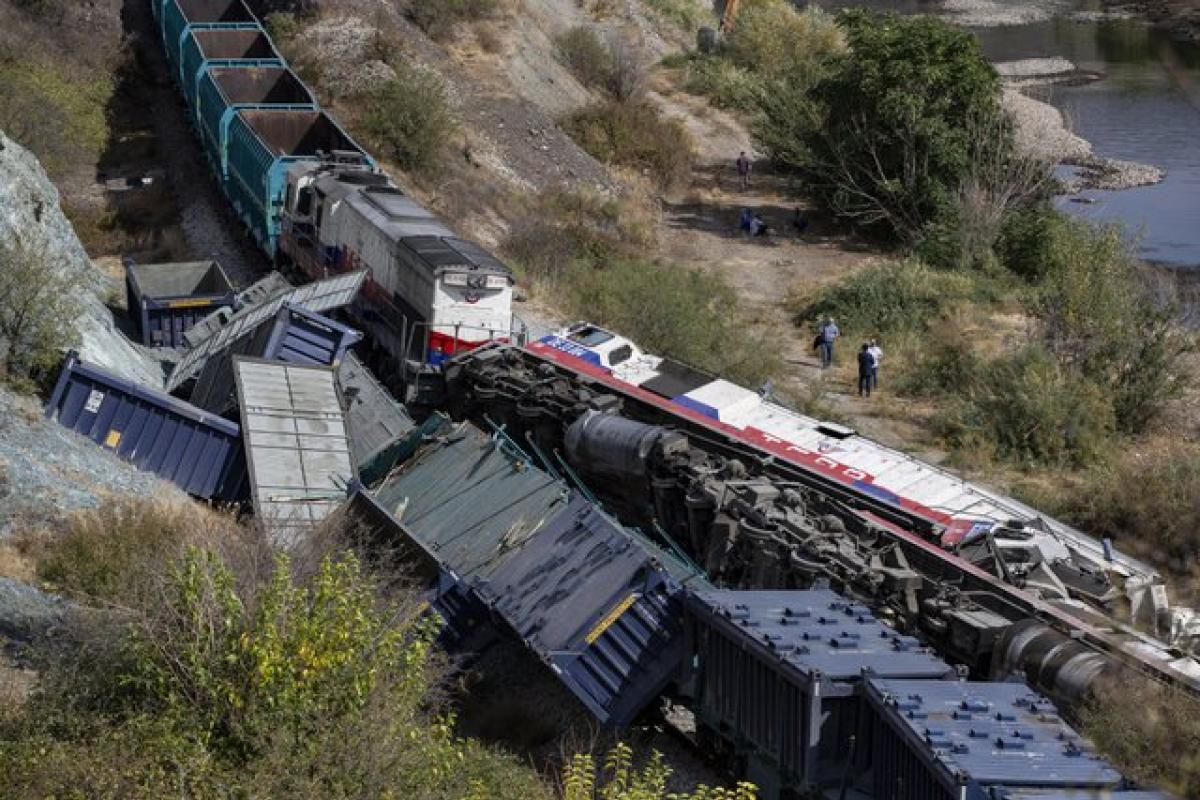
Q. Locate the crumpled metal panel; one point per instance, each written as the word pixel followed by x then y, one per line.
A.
pixel 296 444
pixel 468 499
pixel 597 605
pixel 319 296
pixel 592 599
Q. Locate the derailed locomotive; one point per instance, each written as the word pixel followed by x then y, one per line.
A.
pixel 758 496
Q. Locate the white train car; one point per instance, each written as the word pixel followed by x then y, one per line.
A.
pixel 1055 561
pixel 429 293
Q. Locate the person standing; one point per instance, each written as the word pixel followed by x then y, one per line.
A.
pixel 743 169
pixel 866 364
pixel 829 334
pixel 876 358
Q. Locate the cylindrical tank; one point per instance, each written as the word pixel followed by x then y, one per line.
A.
pixel 1058 665
pixel 607 444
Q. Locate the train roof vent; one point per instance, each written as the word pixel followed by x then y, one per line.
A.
pixel 835 431
pixel 448 251
pixel 394 203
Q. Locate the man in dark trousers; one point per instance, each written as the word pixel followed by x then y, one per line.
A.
pixel 826 336
pixel 743 169
pixel 866 363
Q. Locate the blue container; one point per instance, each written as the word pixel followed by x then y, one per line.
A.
pixel 180 16
pixel 262 146
pixel 223 91
pixel 165 300
pixel 507 547
pixel 295 335
pixel 222 47
pixel 958 740
pixel 198 452
pixel 778 675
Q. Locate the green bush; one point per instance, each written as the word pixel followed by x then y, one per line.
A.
pixel 1025 246
pixel 892 297
pixel 59 116
pixel 588 58
pixel 888 143
pixel 724 83
pixel 439 18
pixel 945 364
pixel 633 134
pixel 774 41
pixel 1115 320
pixel 669 310
pixel 410 119
pixel 38 302
pixel 1029 408
pixel 687 14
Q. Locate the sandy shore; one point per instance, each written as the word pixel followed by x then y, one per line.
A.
pixel 1043 133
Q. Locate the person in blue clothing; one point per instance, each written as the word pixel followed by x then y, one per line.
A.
pixel 866 366
pixel 826 336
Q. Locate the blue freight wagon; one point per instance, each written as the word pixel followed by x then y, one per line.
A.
pixel 165 300
pixel 226 48
pixel 223 91
pixel 180 16
pixel 776 680
pixel 510 549
pixel 295 335
pixel 198 452
pixel 973 740
pixel 261 148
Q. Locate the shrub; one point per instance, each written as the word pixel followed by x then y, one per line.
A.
pixel 889 143
pixel 1029 407
pixel 106 553
pixel 282 26
pixel 410 118
pixel 774 41
pixel 39 301
pixel 588 59
pixel 439 18
pixel 1148 501
pixel 685 13
pixel 1100 311
pixel 945 364
pixel 1150 731
pixel 58 116
pixel 1026 240
pixel 634 134
pixel 724 83
pixel 669 310
pixel 621 780
pixel 892 297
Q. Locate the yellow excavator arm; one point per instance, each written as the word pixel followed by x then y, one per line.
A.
pixel 729 17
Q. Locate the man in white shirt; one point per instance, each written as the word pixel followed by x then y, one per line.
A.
pixel 876 353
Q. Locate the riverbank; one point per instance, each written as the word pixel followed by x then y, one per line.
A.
pixel 1179 18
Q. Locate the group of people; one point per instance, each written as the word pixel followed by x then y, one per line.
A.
pixel 870 355
pixel 750 221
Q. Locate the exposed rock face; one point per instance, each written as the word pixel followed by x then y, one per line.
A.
pixel 30 212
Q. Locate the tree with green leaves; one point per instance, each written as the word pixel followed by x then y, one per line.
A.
pixel 889 136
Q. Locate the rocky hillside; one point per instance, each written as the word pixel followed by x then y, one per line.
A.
pixel 30 214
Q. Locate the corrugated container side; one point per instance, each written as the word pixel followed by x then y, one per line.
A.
pixel 974 740
pixel 778 675
pixel 249 180
pixel 199 452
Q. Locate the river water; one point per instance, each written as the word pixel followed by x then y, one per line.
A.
pixel 1145 108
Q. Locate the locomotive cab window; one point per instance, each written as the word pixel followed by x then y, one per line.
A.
pixel 589 336
pixel 304 202
pixel 620 355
